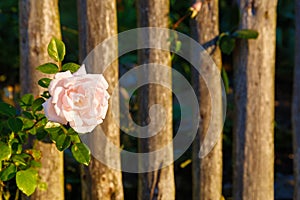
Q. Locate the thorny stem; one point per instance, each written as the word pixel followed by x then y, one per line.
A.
pixel 59 66
pixel 27 129
pixel 179 21
pixel 64 129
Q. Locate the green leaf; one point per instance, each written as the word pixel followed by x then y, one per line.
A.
pixel 28 115
pixel 245 34
pixel 62 142
pixel 36 154
pixel 41 133
pixel 14 144
pixel 5 151
pixel 27 180
pixel 56 49
pixel 40 116
pixel 44 82
pixel 71 131
pixel 226 44
pixel 23 136
pixel 37 104
pixel 27 123
pixel 7 110
pixel 54 130
pixel 48 68
pixel 225 79
pixel 15 124
pixel 178 46
pixel 35 164
pixel 5 129
pixel 8 173
pixel 46 94
pixel 19 149
pixel 32 131
pixel 75 138
pixel 81 153
pixel 26 100
pixel 20 159
pixel 72 67
pixel 54 136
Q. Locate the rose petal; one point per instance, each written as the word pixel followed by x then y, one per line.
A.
pixel 62 75
pixel 70 115
pixel 56 94
pixel 80 71
pixel 80 99
pixel 84 129
pixel 103 111
pixel 102 81
pixel 51 114
pixel 90 121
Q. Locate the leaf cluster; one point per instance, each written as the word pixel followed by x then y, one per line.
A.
pixel 226 41
pixel 19 159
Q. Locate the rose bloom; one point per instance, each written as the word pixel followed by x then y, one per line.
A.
pixel 195 8
pixel 79 99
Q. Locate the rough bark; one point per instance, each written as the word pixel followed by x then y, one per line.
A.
pixel 1 190
pixel 97 22
pixel 296 106
pixel 207 172
pixel 254 63
pixel 156 184
pixel 39 22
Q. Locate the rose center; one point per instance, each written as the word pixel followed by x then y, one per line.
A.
pixel 78 99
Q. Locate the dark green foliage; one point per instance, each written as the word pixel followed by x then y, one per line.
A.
pixel 126 15
pixel 9 42
pixel 81 153
pixel 245 34
pixel 48 68
pixel 56 50
pixel 8 173
pixel 7 110
pixel 72 67
pixel 44 82
pixel 23 163
pixel 226 41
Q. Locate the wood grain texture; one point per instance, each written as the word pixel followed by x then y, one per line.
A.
pixel 207 172
pixel 97 22
pixel 159 184
pixel 39 22
pixel 296 105
pixel 254 99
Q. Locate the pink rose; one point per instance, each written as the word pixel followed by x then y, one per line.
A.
pixel 195 8
pixel 79 99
